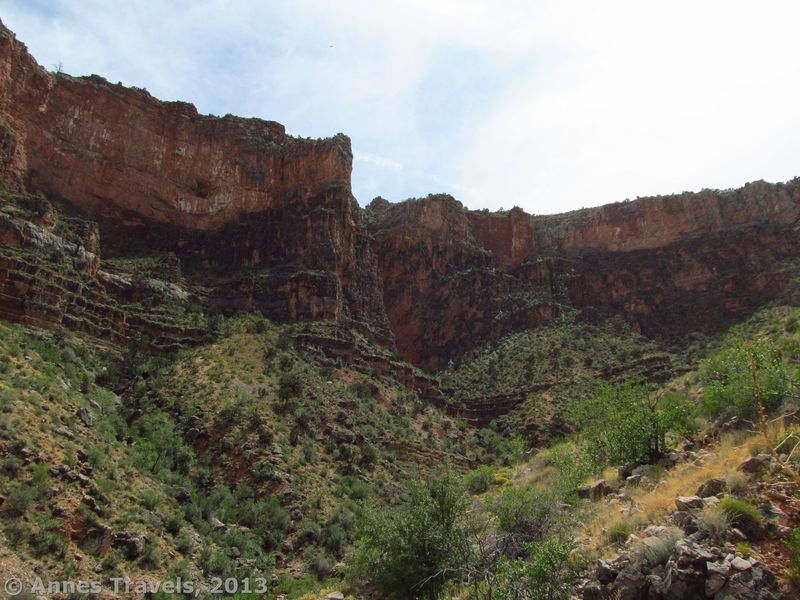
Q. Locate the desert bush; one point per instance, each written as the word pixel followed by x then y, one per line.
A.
pixel 479 480
pixel 321 564
pixel 522 515
pixel 546 574
pixel 737 484
pixel 622 424
pixel 44 540
pixel 290 385
pixel 21 497
pixel 151 556
pixel 742 514
pixel 310 533
pixel 714 523
pixel 572 467
pixel 414 549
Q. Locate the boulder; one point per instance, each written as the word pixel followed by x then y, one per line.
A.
pixel 635 480
pixel 599 490
pixel 605 571
pixel 686 572
pixel 712 487
pixel 741 564
pixel 770 511
pixel 754 464
pixel 191 435
pixel 216 524
pixel 754 583
pixel 130 544
pixel 685 520
pixel 684 503
pixel 85 416
pixel 714 583
pixel 96 540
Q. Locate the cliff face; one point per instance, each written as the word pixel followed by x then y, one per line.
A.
pixel 259 220
pixel 274 213
pixel 670 265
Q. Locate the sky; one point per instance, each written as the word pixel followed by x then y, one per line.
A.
pixel 546 105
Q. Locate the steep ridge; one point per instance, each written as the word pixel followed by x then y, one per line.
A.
pixel 454 278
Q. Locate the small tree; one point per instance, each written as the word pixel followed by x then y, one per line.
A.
pixel 628 423
pixel 523 515
pixel 547 573
pixel 414 549
pixel 728 377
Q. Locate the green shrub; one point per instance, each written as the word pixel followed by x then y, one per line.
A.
pixel 479 480
pixel 151 556
pixel 352 487
pixel 321 564
pixel 728 380
pixel 792 324
pixel 793 547
pixel 522 515
pixel 623 424
pixel 183 543
pixel 151 499
pixel 46 542
pixel 546 574
pixel 20 498
pixel 10 466
pixel 414 549
pixel 619 533
pixel 743 515
pixel 310 533
pixel 572 467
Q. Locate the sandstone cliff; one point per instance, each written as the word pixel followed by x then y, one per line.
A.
pixel 669 265
pixel 259 220
pixel 274 213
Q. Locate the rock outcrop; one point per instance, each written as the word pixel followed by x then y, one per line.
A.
pixel 273 213
pixel 254 219
pixel 669 265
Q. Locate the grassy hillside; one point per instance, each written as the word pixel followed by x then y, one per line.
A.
pixel 242 457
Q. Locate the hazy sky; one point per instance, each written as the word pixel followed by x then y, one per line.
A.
pixel 548 105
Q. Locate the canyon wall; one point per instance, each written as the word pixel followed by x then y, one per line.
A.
pixel 259 220
pixel 670 266
pixel 271 214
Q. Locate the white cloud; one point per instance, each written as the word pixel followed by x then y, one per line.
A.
pixel 549 105
pixel 379 161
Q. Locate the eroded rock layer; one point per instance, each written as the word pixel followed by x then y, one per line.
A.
pixel 274 213
pixel 672 265
pixel 255 219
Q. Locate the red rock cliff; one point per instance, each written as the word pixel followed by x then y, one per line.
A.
pixel 227 192
pixel 265 221
pixel 669 265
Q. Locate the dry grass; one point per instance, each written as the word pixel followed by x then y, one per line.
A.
pixel 652 505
